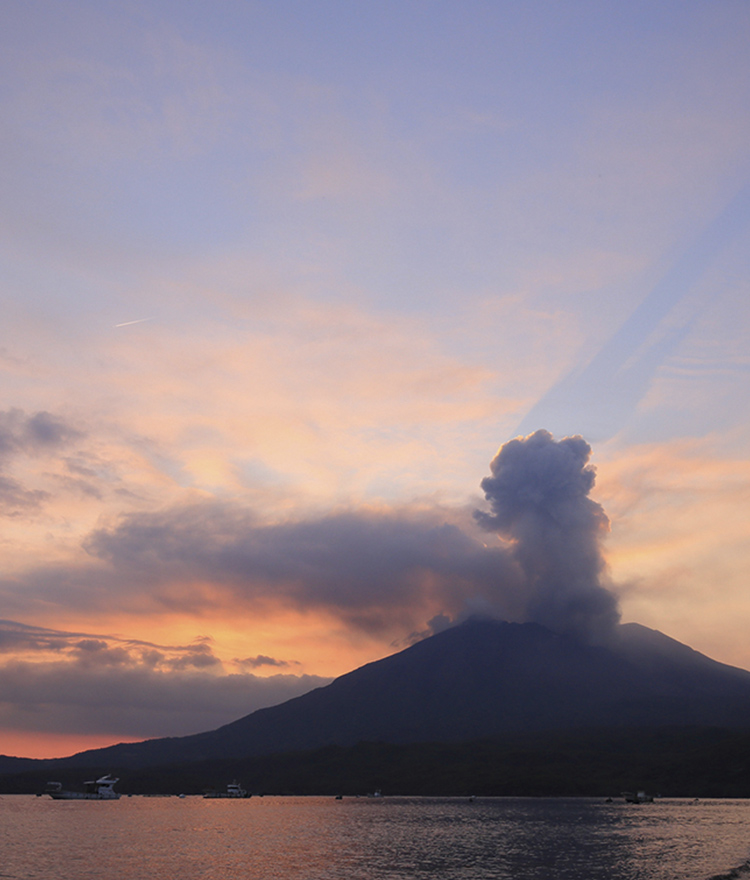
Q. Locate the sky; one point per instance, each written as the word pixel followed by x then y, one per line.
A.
pixel 280 279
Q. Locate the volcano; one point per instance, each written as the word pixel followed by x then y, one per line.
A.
pixel 477 680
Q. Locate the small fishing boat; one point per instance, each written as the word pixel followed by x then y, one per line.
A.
pixel 101 789
pixel 639 797
pixel 234 790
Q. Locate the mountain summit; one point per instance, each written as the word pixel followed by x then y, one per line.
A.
pixel 480 679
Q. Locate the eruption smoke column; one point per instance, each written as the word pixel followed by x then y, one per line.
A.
pixel 538 494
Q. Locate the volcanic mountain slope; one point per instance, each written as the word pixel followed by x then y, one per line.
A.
pixel 480 679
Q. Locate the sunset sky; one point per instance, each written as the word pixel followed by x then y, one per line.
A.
pixel 279 278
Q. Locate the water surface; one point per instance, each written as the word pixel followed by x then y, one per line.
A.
pixel 314 838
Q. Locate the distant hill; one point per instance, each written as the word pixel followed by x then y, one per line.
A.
pixel 675 762
pixel 16 765
pixel 482 679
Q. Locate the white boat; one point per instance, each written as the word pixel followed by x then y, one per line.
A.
pixel 234 790
pixel 101 789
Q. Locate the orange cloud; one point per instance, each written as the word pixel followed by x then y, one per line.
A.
pixel 680 540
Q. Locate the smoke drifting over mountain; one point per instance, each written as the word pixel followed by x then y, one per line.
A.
pixel 382 570
pixel 538 494
pixel 378 571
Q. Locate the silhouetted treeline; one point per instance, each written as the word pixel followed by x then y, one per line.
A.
pixel 673 762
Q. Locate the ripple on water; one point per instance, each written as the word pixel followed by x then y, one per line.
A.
pixel 373 839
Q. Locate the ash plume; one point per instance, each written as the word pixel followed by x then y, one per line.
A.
pixel 538 496
pixel 380 571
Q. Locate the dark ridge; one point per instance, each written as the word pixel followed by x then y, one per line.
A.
pixel 673 762
pixel 480 680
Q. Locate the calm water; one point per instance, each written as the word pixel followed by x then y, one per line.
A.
pixel 370 839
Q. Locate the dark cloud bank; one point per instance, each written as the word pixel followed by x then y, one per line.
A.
pixel 76 682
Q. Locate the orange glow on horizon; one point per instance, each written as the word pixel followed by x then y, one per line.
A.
pixel 38 744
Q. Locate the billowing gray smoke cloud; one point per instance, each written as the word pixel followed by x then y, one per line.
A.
pixel 381 571
pixel 538 494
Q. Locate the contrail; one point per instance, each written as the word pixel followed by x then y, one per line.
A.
pixel 128 323
pixel 617 377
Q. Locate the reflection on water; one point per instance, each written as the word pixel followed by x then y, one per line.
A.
pixel 370 839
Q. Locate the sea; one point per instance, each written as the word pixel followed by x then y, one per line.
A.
pixel 372 838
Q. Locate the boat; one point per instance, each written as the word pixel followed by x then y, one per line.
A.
pixel 638 798
pixel 234 790
pixel 101 789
